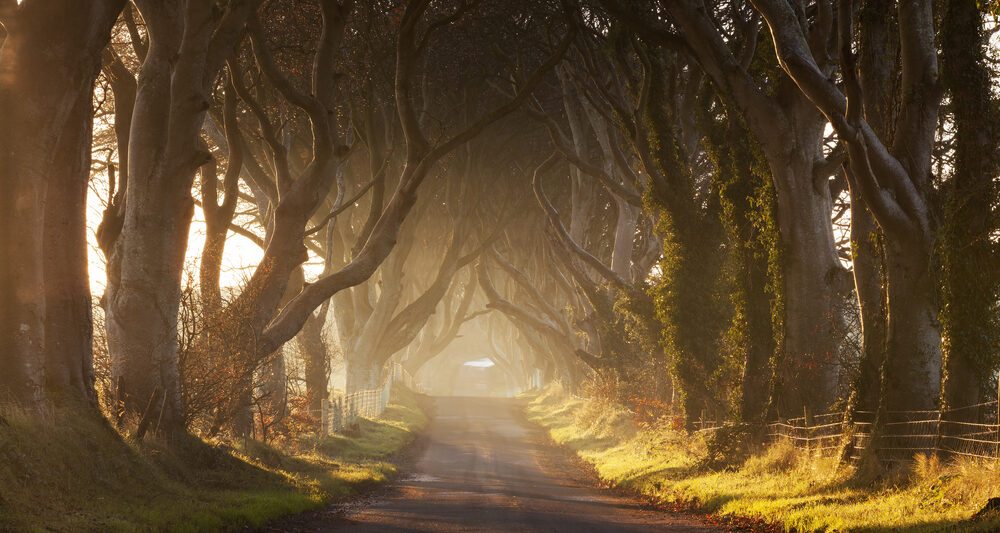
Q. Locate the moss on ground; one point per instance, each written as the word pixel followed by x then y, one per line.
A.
pixel 72 472
pixel 790 488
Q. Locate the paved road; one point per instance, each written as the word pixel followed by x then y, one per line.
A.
pixel 482 469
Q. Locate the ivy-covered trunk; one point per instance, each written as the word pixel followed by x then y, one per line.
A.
pixel 754 263
pixel 968 252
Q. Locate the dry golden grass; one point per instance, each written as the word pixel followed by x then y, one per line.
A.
pixel 779 484
pixel 70 471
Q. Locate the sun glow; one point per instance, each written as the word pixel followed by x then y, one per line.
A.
pixel 238 260
pixel 481 363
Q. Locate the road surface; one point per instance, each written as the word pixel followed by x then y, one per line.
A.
pixel 481 468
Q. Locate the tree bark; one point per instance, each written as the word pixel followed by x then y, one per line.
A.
pixel 69 369
pixel 49 59
pixel 869 278
pixel 879 68
pixel 913 361
pixel 188 46
pixel 970 282
pixel 621 256
pixel 313 347
pixel 363 372
pixel 813 281
pixel 274 388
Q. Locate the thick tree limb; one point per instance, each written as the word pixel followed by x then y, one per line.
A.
pixel 540 301
pixel 885 183
pixel 498 302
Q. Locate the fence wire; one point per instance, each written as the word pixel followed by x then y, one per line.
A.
pixel 970 431
pixel 337 413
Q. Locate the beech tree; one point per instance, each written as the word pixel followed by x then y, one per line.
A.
pixel 969 285
pixel 146 237
pixel 655 201
pixel 50 55
pixel 896 187
pixel 789 131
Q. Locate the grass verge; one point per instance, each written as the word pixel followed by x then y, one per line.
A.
pixel 791 489
pixel 62 471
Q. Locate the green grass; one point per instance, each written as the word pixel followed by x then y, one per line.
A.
pixel 779 485
pixel 63 471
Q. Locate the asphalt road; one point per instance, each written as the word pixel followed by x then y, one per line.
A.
pixel 481 468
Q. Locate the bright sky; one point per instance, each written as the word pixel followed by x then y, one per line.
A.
pixel 481 363
pixel 240 257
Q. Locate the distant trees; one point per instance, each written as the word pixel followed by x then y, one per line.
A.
pixel 744 143
pixel 238 103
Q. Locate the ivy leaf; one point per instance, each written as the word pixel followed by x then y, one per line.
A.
pixel 989 6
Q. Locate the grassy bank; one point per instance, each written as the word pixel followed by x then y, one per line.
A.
pixel 778 485
pixel 67 472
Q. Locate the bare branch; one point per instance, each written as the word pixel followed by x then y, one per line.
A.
pixel 139 45
pixel 279 153
pixel 322 136
pixel 522 94
pixel 562 144
pixel 338 210
pixel 444 21
pixel 564 235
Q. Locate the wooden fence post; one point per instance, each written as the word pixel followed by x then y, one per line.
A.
pixel 324 412
pixel 338 413
pixel 807 422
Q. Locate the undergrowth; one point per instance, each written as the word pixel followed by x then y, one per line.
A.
pixel 778 484
pixel 71 471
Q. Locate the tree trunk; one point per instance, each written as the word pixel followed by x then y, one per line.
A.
pixel 147 261
pixel 869 277
pixel 755 308
pixel 313 347
pixel 144 300
pixel 878 50
pixel 809 371
pixel 48 63
pixel 69 369
pixel 273 388
pixel 363 373
pixel 621 257
pixel 748 212
pixel 913 364
pixel 187 46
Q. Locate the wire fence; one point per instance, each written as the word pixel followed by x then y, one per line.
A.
pixel 342 410
pixel 970 431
